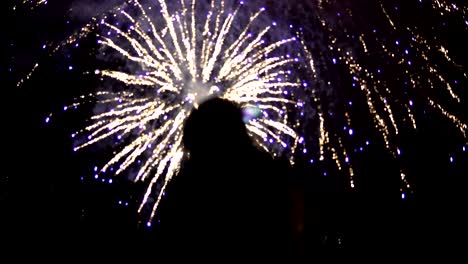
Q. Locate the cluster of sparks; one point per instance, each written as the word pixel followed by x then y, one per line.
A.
pixel 186 53
pixel 408 56
pixel 33 4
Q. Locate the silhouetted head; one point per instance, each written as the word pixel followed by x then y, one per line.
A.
pixel 215 129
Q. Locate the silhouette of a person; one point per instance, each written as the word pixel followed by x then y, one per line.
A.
pixel 230 200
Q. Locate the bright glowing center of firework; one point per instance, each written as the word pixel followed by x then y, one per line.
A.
pixel 198 92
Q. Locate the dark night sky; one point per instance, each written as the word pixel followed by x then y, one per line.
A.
pixel 44 195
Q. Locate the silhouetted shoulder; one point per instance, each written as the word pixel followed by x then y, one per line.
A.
pixel 227 192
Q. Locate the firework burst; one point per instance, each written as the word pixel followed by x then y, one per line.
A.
pixel 180 57
pixel 178 53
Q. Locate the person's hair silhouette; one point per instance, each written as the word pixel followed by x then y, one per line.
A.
pixel 215 130
pixel 229 199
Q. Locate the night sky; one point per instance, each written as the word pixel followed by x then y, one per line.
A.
pixel 49 192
